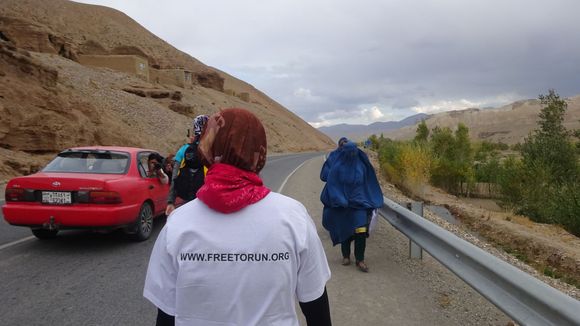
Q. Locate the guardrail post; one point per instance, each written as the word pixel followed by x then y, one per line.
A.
pixel 415 251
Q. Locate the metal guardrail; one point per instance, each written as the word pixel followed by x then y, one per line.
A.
pixel 527 300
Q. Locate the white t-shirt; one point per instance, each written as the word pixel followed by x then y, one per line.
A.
pixel 243 268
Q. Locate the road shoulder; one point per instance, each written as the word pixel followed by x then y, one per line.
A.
pixel 398 290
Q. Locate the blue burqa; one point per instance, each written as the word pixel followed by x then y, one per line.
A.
pixel 351 192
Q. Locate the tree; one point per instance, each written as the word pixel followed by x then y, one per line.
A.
pixel 463 144
pixel 442 142
pixel 414 166
pixel 444 172
pixel 389 153
pixel 422 132
pixel 463 159
pixel 488 170
pixel 550 172
pixel 374 142
pixel 550 147
pixel 552 115
pixel 510 181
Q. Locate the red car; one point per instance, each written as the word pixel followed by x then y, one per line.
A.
pixel 88 187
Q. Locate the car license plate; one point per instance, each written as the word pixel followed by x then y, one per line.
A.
pixel 56 197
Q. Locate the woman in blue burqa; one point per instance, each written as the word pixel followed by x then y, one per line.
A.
pixel 350 195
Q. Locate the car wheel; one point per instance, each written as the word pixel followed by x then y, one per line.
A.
pixel 144 223
pixel 44 234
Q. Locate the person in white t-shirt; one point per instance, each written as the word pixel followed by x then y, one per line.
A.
pixel 239 254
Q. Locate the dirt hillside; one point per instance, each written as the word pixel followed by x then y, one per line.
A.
pixel 509 124
pixel 49 101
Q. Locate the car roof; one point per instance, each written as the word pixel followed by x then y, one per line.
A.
pixel 111 148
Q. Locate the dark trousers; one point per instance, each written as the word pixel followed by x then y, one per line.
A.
pixel 360 242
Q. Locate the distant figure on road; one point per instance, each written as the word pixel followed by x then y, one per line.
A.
pixel 239 254
pixel 350 195
pixel 187 173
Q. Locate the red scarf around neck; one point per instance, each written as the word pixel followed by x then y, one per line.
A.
pixel 228 189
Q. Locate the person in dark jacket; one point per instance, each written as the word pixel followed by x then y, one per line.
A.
pixel 180 158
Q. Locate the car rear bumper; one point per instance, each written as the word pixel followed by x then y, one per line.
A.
pixel 81 216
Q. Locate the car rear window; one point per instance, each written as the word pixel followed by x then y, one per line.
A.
pixel 89 161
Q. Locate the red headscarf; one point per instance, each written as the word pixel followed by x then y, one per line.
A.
pixel 233 146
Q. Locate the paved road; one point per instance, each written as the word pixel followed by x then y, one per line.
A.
pixel 83 278
pixel 9 233
pixel 279 168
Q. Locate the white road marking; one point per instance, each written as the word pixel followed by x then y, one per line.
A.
pixel 10 244
pixel 291 173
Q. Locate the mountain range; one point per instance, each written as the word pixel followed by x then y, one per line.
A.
pixel 360 132
pixel 509 124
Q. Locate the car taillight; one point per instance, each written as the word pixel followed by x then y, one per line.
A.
pixel 14 194
pixel 99 197
pixel 104 197
pixel 18 194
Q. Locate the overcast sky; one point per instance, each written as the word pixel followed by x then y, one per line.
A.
pixel 358 62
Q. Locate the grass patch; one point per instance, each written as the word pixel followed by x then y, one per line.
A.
pixel 571 281
pixel 516 253
pixel 548 271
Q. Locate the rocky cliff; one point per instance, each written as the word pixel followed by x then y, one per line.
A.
pixel 49 101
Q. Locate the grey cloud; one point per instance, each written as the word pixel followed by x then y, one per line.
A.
pixel 391 54
pixel 405 103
